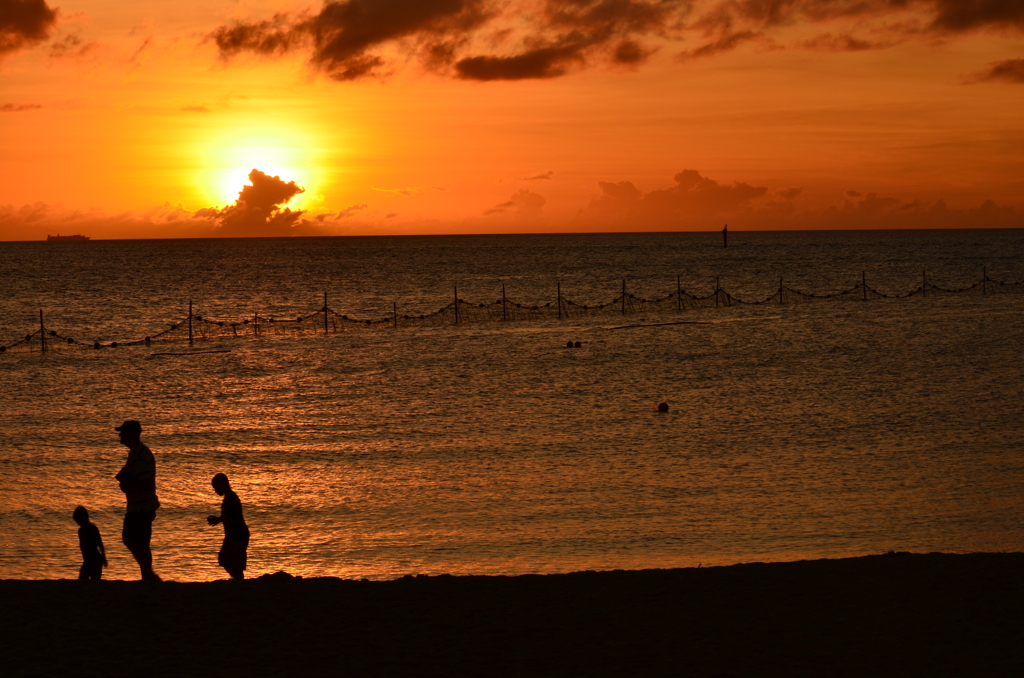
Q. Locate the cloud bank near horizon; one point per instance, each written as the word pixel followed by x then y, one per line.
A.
pixel 487 40
pixel 692 202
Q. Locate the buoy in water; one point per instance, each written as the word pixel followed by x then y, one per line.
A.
pixel 663 407
pixel 568 344
pixel 578 344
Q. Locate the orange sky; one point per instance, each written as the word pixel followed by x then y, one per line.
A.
pixel 440 116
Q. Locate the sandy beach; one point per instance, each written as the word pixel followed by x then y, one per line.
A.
pixel 895 614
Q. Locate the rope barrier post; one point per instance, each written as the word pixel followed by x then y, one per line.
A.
pixel 42 331
pixel 864 284
pixel 504 310
pixel 189 322
pixel 679 294
pixel 456 304
pixel 984 280
pixel 325 311
pixel 623 296
pixel 559 300
pixel 394 307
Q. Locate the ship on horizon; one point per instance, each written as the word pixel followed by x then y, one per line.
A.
pixel 67 237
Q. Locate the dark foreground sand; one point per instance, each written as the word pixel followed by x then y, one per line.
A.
pixel 894 615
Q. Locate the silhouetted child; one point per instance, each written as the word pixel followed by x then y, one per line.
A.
pixel 94 556
pixel 232 556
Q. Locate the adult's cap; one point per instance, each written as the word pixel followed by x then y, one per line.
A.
pixel 131 426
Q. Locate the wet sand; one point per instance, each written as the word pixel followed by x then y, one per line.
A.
pixel 893 615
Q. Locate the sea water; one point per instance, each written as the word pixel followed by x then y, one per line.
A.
pixel 824 429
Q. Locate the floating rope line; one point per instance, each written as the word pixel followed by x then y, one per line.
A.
pixel 325 320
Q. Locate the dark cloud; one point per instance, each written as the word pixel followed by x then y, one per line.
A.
pixel 789 193
pixel 18 108
pixel 523 203
pixel 515 40
pixel 853 194
pixel 258 211
pixel 541 176
pixel 964 15
pixel 1011 70
pixel 24 23
pixel 842 42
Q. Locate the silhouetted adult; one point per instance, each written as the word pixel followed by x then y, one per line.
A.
pixel 138 482
pixel 232 556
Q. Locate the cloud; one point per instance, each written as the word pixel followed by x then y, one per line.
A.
pixel 24 23
pixel 343 214
pixel 412 190
pixel 195 109
pixel 1010 70
pixel 957 16
pixel 789 193
pixel 540 177
pixel 259 210
pixel 391 215
pixel 489 40
pixel 19 108
pixel 70 46
pixel 692 197
pixel 524 203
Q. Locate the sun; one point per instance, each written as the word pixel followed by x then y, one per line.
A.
pixel 228 156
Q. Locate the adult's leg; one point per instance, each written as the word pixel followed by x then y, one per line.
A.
pixel 136 535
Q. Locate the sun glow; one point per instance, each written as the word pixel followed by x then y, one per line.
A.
pixel 229 156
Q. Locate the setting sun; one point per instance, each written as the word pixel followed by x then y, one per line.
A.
pixel 227 156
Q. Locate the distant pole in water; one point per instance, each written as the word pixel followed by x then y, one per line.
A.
pixel 189 322
pixel 725 236
pixel 924 283
pixel 559 300
pixel 42 331
pixel 504 310
pixel 679 295
pixel 984 279
pixel 717 288
pixel 456 304
pixel 394 306
pixel 256 323
pixel 325 311
pixel 864 284
pixel 780 290
pixel 623 296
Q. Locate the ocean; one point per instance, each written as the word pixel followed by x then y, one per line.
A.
pixel 814 429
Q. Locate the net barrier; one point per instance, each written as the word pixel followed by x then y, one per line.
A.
pixel 196 326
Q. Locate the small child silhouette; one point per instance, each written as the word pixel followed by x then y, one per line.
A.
pixel 232 556
pixel 94 556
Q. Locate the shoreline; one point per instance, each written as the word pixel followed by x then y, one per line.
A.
pixel 895 614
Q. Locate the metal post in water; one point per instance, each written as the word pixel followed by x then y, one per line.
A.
pixel 504 311
pixel 864 284
pixel 325 311
pixel 189 322
pixel 717 288
pixel 679 294
pixel 42 331
pixel 623 296
pixel 456 304
pixel 780 290
pixel 256 323
pixel 559 300
pixel 394 307
pixel 924 283
pixel 984 279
